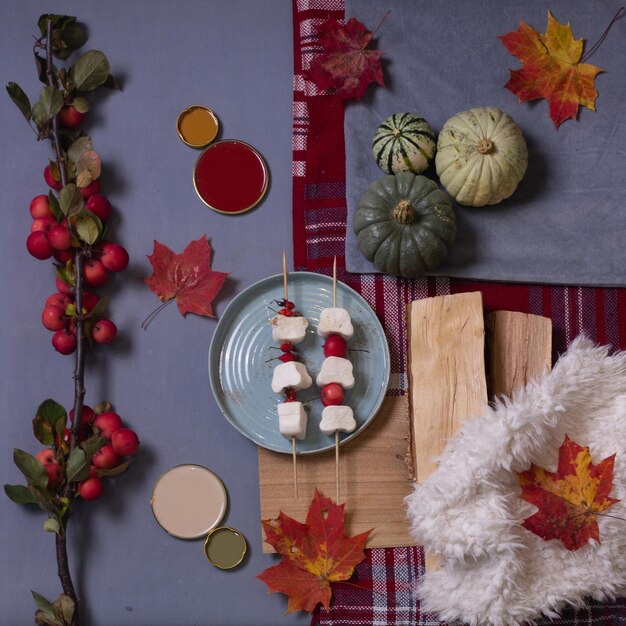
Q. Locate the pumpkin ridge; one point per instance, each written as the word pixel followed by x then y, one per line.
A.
pixel 415 250
pixel 474 127
pixel 470 178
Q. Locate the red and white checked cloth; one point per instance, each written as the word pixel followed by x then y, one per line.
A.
pixel 385 578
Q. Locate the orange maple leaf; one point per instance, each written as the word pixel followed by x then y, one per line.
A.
pixel 569 498
pixel 551 69
pixel 314 554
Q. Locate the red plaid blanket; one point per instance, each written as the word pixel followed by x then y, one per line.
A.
pixel 386 577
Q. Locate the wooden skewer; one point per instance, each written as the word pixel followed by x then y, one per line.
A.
pixel 293 439
pixel 336 432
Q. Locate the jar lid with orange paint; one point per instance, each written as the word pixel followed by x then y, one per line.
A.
pixel 197 126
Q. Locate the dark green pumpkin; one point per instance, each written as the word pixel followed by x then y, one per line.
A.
pixel 404 224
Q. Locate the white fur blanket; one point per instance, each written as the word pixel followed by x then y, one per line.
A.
pixel 497 572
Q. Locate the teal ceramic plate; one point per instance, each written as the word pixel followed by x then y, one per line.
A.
pixel 241 375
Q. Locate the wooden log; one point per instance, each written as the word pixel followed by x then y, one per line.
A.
pixel 520 349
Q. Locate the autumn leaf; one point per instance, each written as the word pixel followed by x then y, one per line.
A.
pixel 314 554
pixel 186 277
pixel 345 65
pixel 569 498
pixel 551 69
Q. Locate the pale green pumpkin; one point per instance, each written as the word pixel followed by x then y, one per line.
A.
pixel 404 224
pixel 481 156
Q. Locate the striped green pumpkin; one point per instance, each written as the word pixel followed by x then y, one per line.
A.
pixel 404 142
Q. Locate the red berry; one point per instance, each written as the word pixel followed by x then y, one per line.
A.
pixel 107 423
pixel 38 245
pixel 95 273
pixel 70 117
pixel 91 488
pixel 332 394
pixel 51 464
pixel 53 317
pixel 125 441
pixel 335 345
pixel 64 342
pixel 51 180
pixel 63 287
pixel 287 357
pixel 40 207
pixel 106 457
pixel 86 417
pixel 286 347
pixel 59 237
pixel 99 206
pixel 104 331
pixel 113 256
pixel 58 299
pixel 91 189
pixel 291 394
pixel 286 312
pixel 89 300
pixel 63 256
pixel 43 224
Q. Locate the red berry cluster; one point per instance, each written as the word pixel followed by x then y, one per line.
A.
pixel 333 394
pixel 108 460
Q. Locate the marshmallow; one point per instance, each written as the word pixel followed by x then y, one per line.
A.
pixel 335 321
pixel 292 419
pixel 292 329
pixel 337 417
pixel 292 375
pixel 336 369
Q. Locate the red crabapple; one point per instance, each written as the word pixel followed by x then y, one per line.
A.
pixel 59 237
pixel 63 287
pixel 332 394
pixel 125 441
pixel 58 299
pixel 89 300
pixel 91 488
pixel 63 256
pixel 92 188
pixel 43 224
pixel 86 416
pixel 335 345
pixel 64 342
pixel 114 257
pixel 99 206
pixel 95 273
pixel 40 207
pixel 38 245
pixel 51 180
pixel 53 317
pixel 106 457
pixel 104 331
pixel 70 117
pixel 107 423
pixel 52 466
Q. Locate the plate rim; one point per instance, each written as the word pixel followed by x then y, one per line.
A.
pixel 215 351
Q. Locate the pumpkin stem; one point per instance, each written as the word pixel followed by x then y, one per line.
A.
pixel 485 146
pixel 404 213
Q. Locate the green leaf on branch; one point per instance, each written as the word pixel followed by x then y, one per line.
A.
pixel 90 70
pixel 77 466
pixel 66 274
pixel 70 200
pixel 88 168
pixel 54 206
pixel 45 611
pixel 58 22
pixel 32 469
pixel 50 419
pixel 115 471
pixel 92 445
pixel 20 99
pixel 52 525
pixel 76 149
pixel 20 494
pixel 88 227
pixel 49 104
pixel 74 36
pixel 64 608
pixel 81 104
pixel 99 310
pixel 44 432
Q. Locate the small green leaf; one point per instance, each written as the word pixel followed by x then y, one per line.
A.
pixel 77 466
pixel 70 200
pixel 44 498
pixel 89 162
pixel 64 274
pixel 81 104
pixel 58 21
pixel 87 228
pixel 74 35
pixel 42 66
pixel 32 469
pixel 99 309
pixel 54 206
pixel 52 525
pixel 39 116
pixel 64 608
pixel 79 146
pixel 44 619
pixel 20 99
pixel 20 494
pixel 51 411
pixel 102 407
pixel 92 445
pixel 122 467
pixel 90 70
pixel 111 83
pixel 51 101
pixel 43 431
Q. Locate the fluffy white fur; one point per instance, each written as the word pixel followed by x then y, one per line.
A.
pixel 497 572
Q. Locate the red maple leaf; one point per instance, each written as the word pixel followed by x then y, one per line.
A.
pixel 551 69
pixel 186 277
pixel 345 65
pixel 569 498
pixel 314 554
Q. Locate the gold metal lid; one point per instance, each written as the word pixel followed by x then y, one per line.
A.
pixel 197 126
pixel 225 547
